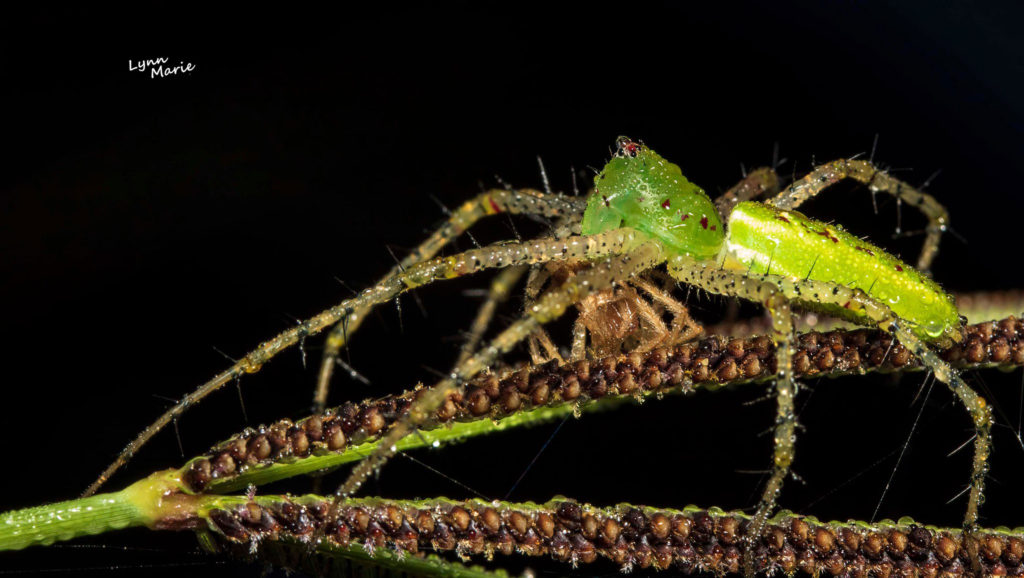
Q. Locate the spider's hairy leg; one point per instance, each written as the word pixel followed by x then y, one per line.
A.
pixel 684 327
pixel 767 291
pixel 523 201
pixel 763 181
pixel 628 259
pixel 501 288
pixel 493 256
pixel 878 181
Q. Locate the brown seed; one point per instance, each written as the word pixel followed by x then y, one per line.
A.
pixel 700 370
pixel 570 389
pixel 850 540
pixel 610 531
pixel 800 530
pixel 570 511
pixel 447 411
pixel 223 465
pixel 728 528
pixel 590 526
pixel 1000 350
pixel 253 512
pixel 735 348
pixel 991 548
pixel 727 370
pixel 372 421
pixel 802 362
pixel 627 384
pixel 823 540
pixel 510 401
pixel 360 520
pixel 460 518
pixel 752 366
pixel 1014 552
pixel 945 548
pixel 491 519
pixel 519 523
pixel 897 542
pixel 277 435
pixel 851 358
pixel 489 383
pixel 540 394
pixel 335 437
pixel 394 517
pixel 236 448
pixel 200 474
pixel 545 525
pixel 975 351
pixel 259 448
pixel 681 527
pixel 660 526
pixel 314 428
pixel 825 359
pixel 873 544
pixel 300 443
pixel 479 402
pixel 425 522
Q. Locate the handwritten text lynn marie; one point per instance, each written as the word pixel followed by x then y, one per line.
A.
pixel 160 67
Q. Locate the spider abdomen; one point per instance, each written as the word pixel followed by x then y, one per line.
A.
pixel 766 240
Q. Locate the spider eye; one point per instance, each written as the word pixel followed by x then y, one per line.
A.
pixel 627 147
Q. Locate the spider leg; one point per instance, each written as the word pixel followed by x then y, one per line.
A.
pixel 523 201
pixel 716 280
pixel 684 327
pixel 501 288
pixel 767 291
pixel 628 260
pixel 493 256
pixel 762 181
pixel 877 180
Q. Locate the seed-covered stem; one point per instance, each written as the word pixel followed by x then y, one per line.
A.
pixel 687 540
pixel 538 394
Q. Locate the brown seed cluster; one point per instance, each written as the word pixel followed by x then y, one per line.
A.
pixel 690 541
pixel 712 361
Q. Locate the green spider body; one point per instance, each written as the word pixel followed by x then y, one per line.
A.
pixel 641 190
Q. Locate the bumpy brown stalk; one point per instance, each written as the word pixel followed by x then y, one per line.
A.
pixel 688 540
pixel 711 362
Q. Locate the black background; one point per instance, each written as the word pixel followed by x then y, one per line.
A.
pixel 144 222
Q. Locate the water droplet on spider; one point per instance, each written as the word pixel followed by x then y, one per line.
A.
pixel 394 448
pixel 435 444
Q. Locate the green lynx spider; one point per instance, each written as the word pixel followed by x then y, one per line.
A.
pixel 643 213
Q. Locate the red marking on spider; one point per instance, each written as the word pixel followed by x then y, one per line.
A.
pixel 714 227
pixel 494 206
pixel 704 221
pixel 898 268
pixel 868 251
pixel 684 217
pixel 827 235
pixel 607 203
pixel 665 204
pixel 781 218
pixel 846 305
